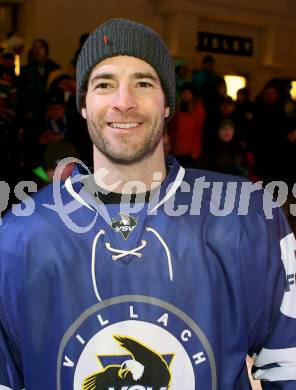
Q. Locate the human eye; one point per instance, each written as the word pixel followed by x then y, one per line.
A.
pixel 103 85
pixel 144 84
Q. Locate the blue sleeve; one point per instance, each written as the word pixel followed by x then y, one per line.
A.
pixel 10 370
pixel 11 375
pixel 274 331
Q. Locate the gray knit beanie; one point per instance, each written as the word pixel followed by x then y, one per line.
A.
pixel 124 37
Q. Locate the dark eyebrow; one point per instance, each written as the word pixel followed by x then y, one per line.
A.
pixel 105 76
pixel 144 75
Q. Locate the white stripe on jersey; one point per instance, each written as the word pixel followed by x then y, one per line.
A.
pixel 285 358
pixel 288 248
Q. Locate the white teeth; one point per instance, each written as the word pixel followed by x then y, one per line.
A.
pixel 116 125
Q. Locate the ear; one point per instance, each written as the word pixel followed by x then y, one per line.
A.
pixel 167 112
pixel 83 112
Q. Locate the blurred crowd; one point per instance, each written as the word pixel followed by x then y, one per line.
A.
pixel 252 138
pixel 39 122
pixel 40 125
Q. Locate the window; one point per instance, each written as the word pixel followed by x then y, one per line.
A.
pixel 293 90
pixel 234 83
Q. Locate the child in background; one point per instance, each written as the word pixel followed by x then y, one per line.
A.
pixel 55 152
pixel 56 124
pixel 186 127
pixel 225 155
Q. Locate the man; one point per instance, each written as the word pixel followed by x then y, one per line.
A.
pixel 268 134
pixel 33 81
pixel 105 287
pixel 206 80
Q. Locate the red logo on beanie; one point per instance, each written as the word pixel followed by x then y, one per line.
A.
pixel 105 39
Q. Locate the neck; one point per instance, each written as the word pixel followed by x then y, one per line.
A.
pixel 115 177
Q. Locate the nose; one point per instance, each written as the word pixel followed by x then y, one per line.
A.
pixel 124 99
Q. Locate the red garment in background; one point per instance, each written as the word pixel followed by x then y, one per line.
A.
pixel 185 131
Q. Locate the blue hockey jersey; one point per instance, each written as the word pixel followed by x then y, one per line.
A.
pixel 167 294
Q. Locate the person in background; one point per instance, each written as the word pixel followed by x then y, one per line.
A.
pixel 33 82
pixel 226 108
pixel 56 125
pixel 7 71
pixel 222 108
pixel 8 118
pixel 60 80
pixel 51 165
pixel 269 130
pixel 225 155
pixel 63 80
pixel 182 75
pixel 243 115
pixel 186 127
pixel 54 153
pixel 206 81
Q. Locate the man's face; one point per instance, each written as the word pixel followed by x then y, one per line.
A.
pixel 208 66
pixel 39 51
pixel 125 109
pixel 270 95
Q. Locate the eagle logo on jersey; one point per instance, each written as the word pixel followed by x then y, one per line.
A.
pixel 142 366
pixel 125 225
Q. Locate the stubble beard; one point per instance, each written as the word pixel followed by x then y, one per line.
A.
pixel 126 151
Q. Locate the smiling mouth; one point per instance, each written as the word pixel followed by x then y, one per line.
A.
pixel 123 125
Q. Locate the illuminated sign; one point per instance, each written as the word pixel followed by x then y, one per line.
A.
pixel 224 44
